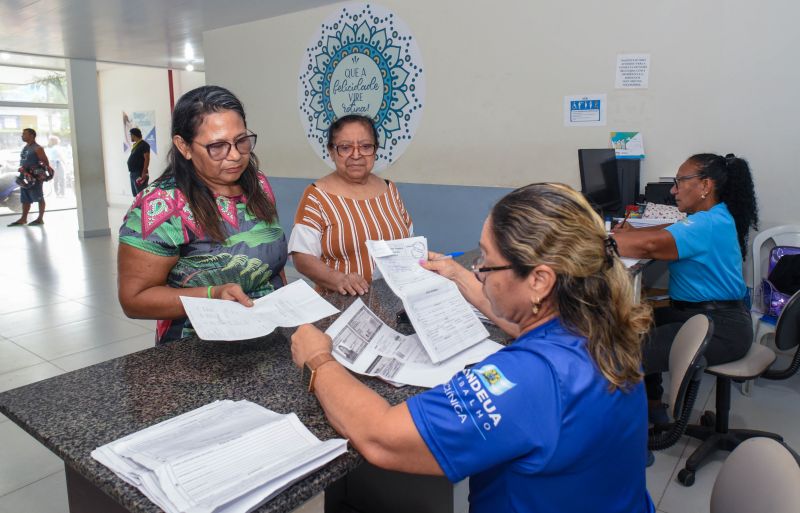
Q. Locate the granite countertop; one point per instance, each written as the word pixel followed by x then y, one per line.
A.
pixel 74 413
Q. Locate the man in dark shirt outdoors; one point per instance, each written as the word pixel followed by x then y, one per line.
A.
pixel 138 162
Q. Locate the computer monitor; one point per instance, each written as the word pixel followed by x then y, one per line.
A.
pixel 599 180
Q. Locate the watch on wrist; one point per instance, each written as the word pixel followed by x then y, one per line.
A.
pixel 312 365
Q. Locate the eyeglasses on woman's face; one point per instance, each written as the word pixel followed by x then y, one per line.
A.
pixel 480 272
pixel 678 179
pixel 220 150
pixel 344 150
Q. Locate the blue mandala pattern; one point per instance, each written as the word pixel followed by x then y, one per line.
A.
pixel 363 37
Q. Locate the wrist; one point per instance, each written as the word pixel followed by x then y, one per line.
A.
pixel 312 367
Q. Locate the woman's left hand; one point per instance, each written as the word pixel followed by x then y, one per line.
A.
pixel 231 292
pixel 308 341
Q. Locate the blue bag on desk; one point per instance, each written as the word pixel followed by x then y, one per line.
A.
pixel 783 279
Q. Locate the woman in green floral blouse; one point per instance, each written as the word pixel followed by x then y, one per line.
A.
pixel 208 227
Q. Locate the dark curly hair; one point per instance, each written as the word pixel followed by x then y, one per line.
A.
pixel 733 184
pixel 187 117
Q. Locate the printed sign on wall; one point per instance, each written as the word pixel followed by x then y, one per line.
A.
pixel 144 121
pixel 585 110
pixel 365 61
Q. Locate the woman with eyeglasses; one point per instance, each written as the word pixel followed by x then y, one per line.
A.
pixel 554 422
pixel 705 252
pixel 208 226
pixel 342 210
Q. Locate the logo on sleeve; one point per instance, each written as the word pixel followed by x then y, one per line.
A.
pixel 494 379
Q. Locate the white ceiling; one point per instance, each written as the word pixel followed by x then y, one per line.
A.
pixel 142 32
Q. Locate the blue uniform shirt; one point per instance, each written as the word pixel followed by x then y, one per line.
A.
pixel 709 265
pixel 537 429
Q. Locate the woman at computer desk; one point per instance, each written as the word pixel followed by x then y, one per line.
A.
pixel 554 422
pixel 705 251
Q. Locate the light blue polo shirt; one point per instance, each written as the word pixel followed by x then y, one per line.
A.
pixel 538 431
pixel 709 265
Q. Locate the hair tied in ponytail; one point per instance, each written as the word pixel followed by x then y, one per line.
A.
pixel 611 250
pixel 730 157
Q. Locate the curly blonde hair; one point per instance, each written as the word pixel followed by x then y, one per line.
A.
pixel 551 224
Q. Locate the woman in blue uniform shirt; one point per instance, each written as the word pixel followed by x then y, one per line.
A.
pixel 556 421
pixel 705 251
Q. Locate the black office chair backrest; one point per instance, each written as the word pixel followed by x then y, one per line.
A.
pixel 787 336
pixel 787 331
pixel 686 366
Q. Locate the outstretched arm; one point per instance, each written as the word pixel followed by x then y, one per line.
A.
pixel 656 244
pixel 385 435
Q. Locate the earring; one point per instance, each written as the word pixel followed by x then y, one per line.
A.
pixel 703 196
pixel 536 305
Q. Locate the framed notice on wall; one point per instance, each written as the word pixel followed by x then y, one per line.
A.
pixel 363 60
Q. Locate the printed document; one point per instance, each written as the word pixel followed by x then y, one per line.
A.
pixel 364 344
pixel 289 306
pixel 444 321
pixel 225 457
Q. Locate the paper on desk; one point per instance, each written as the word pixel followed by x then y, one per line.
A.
pixel 364 344
pixel 442 318
pixel 224 457
pixel 629 262
pixel 291 305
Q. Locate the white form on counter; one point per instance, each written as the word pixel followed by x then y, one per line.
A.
pixel 366 345
pixel 224 457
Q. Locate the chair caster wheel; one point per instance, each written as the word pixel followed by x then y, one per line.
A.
pixel 686 477
pixel 708 419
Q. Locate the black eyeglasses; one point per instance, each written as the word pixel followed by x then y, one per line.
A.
pixel 345 150
pixel 678 179
pixel 480 272
pixel 220 150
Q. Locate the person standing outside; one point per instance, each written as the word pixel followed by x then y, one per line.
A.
pixel 53 152
pixel 34 165
pixel 138 161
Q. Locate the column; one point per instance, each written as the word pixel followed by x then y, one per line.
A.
pixel 87 148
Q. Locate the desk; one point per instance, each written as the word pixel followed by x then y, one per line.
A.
pixel 75 413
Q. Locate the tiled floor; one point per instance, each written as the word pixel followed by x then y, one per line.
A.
pixel 56 287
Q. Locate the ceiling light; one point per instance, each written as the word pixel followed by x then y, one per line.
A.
pixel 5 56
pixel 188 52
pixel 189 67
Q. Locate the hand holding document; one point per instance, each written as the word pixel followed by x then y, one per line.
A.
pixel 225 457
pixel 364 344
pixel 444 321
pixel 292 305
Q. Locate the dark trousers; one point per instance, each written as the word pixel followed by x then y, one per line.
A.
pixel 135 189
pixel 733 334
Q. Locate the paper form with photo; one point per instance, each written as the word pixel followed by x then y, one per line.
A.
pixel 366 345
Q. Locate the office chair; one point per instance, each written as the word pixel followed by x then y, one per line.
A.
pixel 759 475
pixel 686 365
pixel 785 235
pixel 713 428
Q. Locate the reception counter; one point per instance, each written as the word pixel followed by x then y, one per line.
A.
pixel 74 413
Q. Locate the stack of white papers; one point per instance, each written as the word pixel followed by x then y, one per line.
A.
pixel 444 321
pixel 364 344
pixel 289 306
pixel 225 457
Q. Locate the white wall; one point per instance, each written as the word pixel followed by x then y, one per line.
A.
pixel 136 88
pixel 723 79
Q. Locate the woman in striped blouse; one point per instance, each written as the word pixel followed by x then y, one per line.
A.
pixel 342 210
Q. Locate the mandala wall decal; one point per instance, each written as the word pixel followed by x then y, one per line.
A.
pixel 363 60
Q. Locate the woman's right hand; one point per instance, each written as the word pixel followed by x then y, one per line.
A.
pixel 351 284
pixel 444 266
pixel 231 292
